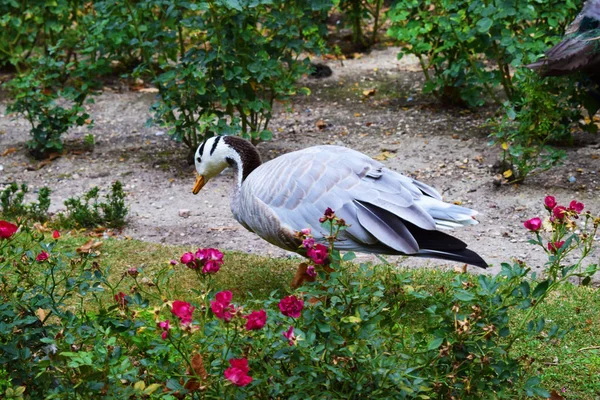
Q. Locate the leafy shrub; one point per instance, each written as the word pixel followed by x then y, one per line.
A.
pixel 50 111
pixel 467 48
pixel 88 212
pixel 33 27
pixel 358 13
pixel 12 203
pixel 220 68
pixel 541 117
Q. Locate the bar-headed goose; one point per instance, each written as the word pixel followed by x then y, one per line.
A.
pixel 387 213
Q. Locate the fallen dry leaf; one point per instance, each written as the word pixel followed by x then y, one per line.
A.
pixel 199 371
pixel 461 270
pixel 384 155
pixel 41 227
pixel 41 314
pixel 507 174
pixel 357 114
pixel 321 124
pixel 369 92
pixel 555 396
pixel 8 151
pixel 89 246
pixel 148 90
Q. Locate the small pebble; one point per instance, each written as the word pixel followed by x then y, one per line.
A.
pixel 184 213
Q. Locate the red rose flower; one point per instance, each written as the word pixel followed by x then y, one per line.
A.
pixel 188 259
pixel 56 234
pixel 318 253
pixel 183 310
pixel 291 306
pixel 222 307
pixel 550 202
pixel 7 229
pixel 553 247
pixel 238 372
pixel 559 212
pixel 120 299
pixel 576 206
pixel 43 256
pixel 533 224
pixel 256 320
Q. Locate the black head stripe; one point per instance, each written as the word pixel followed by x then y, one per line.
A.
pixel 214 146
pixel 201 150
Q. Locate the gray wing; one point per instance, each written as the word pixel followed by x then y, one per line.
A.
pixel 387 212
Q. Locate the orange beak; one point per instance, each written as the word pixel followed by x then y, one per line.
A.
pixel 200 181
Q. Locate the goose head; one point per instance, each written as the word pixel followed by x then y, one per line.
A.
pixel 219 152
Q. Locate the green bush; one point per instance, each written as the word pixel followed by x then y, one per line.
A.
pixel 13 206
pixel 467 48
pixel 542 116
pixel 219 67
pixel 88 211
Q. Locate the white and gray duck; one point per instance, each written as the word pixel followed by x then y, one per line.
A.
pixel 386 212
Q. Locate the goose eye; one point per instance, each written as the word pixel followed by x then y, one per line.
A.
pixel 199 159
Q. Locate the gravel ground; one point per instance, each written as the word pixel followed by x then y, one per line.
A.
pixel 372 104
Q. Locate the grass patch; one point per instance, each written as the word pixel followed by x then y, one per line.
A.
pixel 570 366
pixel 247 275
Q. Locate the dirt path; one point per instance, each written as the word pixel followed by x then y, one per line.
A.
pixel 446 148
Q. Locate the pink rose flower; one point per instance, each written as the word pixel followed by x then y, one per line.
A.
pixel 164 326
pixel 306 231
pixel 553 247
pixel 183 310
pixel 289 335
pixel 188 259
pixel 238 372
pixel 291 306
pixel 550 202
pixel 533 224
pixel 311 271
pixel 210 260
pixel 211 267
pixel 576 206
pixel 222 307
pixel 308 243
pixel 318 254
pixel 7 229
pixel 133 271
pixel 43 256
pixel 56 234
pixel 256 320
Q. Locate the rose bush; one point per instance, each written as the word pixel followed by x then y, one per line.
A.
pixel 348 334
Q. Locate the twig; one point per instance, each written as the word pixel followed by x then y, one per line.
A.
pixel 589 348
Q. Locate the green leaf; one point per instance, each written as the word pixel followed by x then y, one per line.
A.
pixel 435 343
pixel 463 295
pixel 266 135
pixel 541 288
